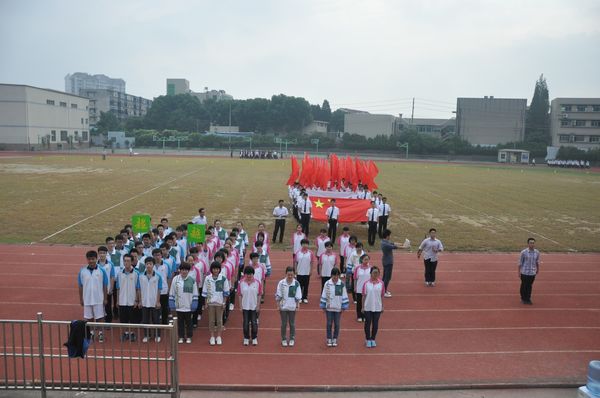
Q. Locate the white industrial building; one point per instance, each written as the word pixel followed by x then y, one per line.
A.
pixel 371 125
pixel 33 117
pixel 575 122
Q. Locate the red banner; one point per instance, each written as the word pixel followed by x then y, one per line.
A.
pixel 351 210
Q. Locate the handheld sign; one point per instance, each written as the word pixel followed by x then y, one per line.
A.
pixel 195 233
pixel 140 223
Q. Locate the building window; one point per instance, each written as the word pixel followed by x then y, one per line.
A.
pixel 580 138
pixel 81 120
pixel 580 108
pixel 63 135
pixel 565 123
pixel 563 138
pixel 594 138
pixel 596 108
pixel 74 106
pixel 566 108
pixel 49 102
pixel 595 123
pixel 76 134
pixel 84 135
pixel 86 121
pixel 53 135
pixel 580 123
pixel 63 104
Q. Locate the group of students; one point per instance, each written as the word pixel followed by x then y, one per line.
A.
pixel 571 164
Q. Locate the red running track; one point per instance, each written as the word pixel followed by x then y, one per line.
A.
pixel 471 329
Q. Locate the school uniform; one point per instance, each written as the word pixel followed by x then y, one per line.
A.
pixel 288 295
pixel 304 261
pixel 320 244
pixel 430 257
pixel 361 276
pixel 372 219
pixel 127 285
pixel 333 215
pixel 183 298
pixel 373 306
pixel 280 214
pixel 250 293
pixel 326 263
pixel 296 245
pixel 93 281
pixel 334 300
pixel 384 214
pixel 111 272
pixel 215 291
pixel 343 242
pixel 164 270
pixel 150 287
pixel 305 210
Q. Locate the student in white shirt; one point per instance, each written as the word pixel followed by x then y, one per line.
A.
pixel 93 286
pixel 305 210
pixel 430 246
pixel 343 241
pixel 384 213
pixel 288 296
pixel 333 215
pixel 163 268
pixel 201 217
pixel 215 291
pixel 280 213
pixel 296 239
pixel 361 276
pixel 354 253
pixel 327 262
pixel 220 232
pixel 334 300
pixel 105 263
pixel 372 291
pixel 128 294
pixel 320 241
pixel 249 290
pixel 183 298
pixel 303 264
pixel 372 219
pixel 151 284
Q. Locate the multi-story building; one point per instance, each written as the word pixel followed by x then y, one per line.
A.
pixel 371 125
pixel 316 126
pixel 182 86
pixel 435 127
pixel 33 117
pixel 78 81
pixel 123 105
pixel 575 122
pixel 491 121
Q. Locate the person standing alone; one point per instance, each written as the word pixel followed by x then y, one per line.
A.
pixel 431 247
pixel 280 213
pixel 372 217
pixel 333 214
pixel 529 267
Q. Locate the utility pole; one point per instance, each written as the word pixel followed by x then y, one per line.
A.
pixel 412 113
pixel 316 142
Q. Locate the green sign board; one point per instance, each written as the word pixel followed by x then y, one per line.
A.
pixel 195 233
pixel 140 223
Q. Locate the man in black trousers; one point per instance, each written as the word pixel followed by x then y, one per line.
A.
pixel 372 218
pixel 333 214
pixel 280 213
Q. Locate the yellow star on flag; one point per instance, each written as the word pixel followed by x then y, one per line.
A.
pixel 319 204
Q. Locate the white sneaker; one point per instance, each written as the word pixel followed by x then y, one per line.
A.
pixel 211 341
pixel 426 283
pixel 305 301
pixel 284 343
pixel 157 339
pixel 291 343
pixel 188 340
pixel 432 284
pixel 334 342
pixel 219 340
pixel 329 343
pixel 199 317
pixel 254 341
pixel 388 294
pixel 231 306
pixel 180 341
pixel 145 340
pixel 246 341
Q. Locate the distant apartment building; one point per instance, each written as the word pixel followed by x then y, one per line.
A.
pixel 123 105
pixel 78 81
pixel 182 86
pixel 214 128
pixel 575 122
pixel 371 125
pixel 33 117
pixel 434 127
pixel 491 121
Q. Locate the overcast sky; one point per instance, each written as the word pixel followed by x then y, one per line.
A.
pixel 373 55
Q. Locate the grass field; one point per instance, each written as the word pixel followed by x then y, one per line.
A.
pixel 474 207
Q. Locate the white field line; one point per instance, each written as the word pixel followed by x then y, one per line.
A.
pixel 118 204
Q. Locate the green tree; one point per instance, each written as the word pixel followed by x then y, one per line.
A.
pixel 325 111
pixel 336 121
pixel 108 122
pixel 537 124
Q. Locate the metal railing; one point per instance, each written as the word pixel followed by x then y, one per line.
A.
pixel 34 357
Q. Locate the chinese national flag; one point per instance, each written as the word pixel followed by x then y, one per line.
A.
pixel 351 210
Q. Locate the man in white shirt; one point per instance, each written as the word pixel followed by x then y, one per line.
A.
pixel 430 247
pixel 372 218
pixel 333 214
pixel 305 210
pixel 280 213
pixel 201 217
pixel 384 214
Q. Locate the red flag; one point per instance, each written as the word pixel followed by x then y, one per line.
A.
pixel 295 171
pixel 351 210
pixel 335 169
pixel 373 172
pixel 306 171
pixel 350 171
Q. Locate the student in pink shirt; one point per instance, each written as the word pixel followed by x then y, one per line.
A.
pixel 320 241
pixel 372 292
pixel 303 264
pixel 296 239
pixel 327 262
pixel 362 274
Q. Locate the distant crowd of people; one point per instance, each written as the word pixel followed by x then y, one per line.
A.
pixel 572 164
pixel 258 154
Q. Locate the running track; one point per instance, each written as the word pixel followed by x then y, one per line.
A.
pixel 469 330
